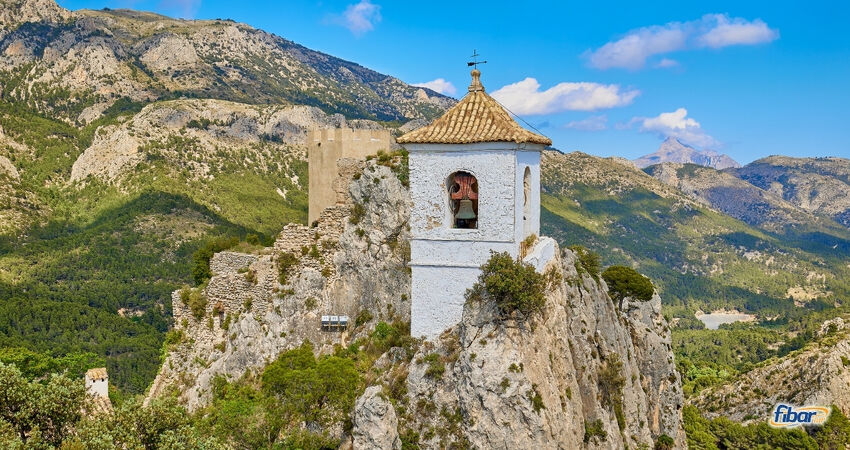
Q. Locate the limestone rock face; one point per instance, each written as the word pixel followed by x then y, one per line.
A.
pixel 16 12
pixel 375 422
pixel 543 383
pixel 214 133
pixel 250 314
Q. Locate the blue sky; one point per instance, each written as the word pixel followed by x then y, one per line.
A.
pixel 749 79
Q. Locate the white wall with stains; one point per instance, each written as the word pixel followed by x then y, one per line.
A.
pixel 445 261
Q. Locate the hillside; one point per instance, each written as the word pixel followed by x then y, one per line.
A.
pixel 737 198
pixel 700 258
pixel 817 185
pixel 75 65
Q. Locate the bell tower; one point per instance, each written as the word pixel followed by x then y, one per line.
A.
pixel 475 186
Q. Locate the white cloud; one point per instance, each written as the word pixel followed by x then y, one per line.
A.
pixel 439 85
pixel 678 125
pixel 711 31
pixel 737 32
pixel 667 63
pixel 525 97
pixel 592 123
pixel 359 18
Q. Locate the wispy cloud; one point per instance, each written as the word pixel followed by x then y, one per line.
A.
pixel 439 85
pixel 675 124
pixel 592 123
pixel 525 97
pixel 711 31
pixel 185 9
pixel 359 18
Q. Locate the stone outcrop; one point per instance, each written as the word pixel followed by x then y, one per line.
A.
pixel 343 267
pixel 819 374
pixel 375 422
pixel 550 382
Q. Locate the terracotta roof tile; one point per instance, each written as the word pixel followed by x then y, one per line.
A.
pixel 476 118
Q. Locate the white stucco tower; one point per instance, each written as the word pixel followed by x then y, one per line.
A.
pixel 475 185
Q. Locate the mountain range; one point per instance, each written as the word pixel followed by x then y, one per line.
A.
pixel 673 150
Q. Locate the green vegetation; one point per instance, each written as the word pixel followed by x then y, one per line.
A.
pixel 46 413
pixel 586 261
pixel 611 383
pixel 625 282
pixel 91 267
pixel 268 410
pixel 721 432
pixel 515 287
pixel 594 429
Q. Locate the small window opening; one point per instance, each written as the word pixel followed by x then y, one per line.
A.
pixel 463 198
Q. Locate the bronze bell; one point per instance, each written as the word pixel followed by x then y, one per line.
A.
pixel 465 211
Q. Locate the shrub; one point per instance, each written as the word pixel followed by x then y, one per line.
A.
pixel 664 442
pixel 195 300
pixel 364 316
pixel 627 282
pixel 436 368
pixel 594 429
pixel 514 286
pixel 358 212
pixel 285 262
pixel 587 261
pixel 611 384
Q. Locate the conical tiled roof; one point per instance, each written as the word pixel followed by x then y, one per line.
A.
pixel 476 118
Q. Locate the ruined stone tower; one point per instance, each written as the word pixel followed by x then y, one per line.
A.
pixel 475 186
pixel 325 147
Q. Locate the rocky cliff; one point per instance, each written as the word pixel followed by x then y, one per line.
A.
pixel 258 305
pixel 580 375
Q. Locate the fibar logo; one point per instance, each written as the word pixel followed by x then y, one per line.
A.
pixel 787 416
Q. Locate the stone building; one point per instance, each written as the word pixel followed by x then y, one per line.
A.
pixel 475 186
pixel 325 147
pixel 97 382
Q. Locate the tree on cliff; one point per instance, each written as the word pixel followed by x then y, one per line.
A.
pixel 627 282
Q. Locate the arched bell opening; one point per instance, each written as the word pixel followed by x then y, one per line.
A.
pixel 463 200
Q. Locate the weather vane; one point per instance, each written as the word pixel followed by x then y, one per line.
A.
pixel 475 62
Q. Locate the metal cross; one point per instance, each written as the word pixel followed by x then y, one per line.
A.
pixel 475 62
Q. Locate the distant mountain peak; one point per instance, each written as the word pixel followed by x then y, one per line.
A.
pixel 674 150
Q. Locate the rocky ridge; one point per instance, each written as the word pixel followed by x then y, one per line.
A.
pixel 76 64
pixel 818 374
pixel 580 375
pixel 817 185
pixel 732 196
pixel 673 150
pixel 351 262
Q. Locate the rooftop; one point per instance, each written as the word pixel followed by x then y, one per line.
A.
pixel 96 374
pixel 476 118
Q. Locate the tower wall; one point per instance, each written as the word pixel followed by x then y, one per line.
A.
pixel 446 261
pixel 324 148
